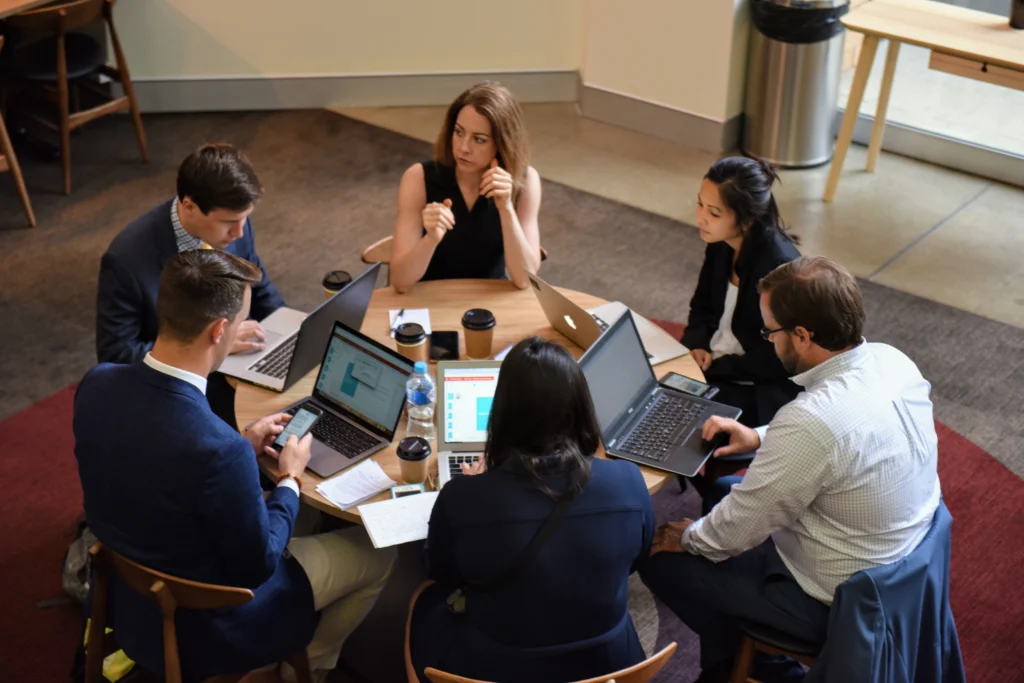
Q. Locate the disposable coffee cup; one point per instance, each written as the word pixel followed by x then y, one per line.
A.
pixel 413 453
pixel 411 341
pixel 335 281
pixel 478 329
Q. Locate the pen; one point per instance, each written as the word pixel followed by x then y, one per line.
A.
pixel 398 317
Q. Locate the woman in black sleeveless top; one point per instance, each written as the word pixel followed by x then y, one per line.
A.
pixel 471 212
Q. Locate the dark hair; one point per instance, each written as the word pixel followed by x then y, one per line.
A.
pixel 218 176
pixel 500 107
pixel 745 186
pixel 198 287
pixel 820 296
pixel 543 415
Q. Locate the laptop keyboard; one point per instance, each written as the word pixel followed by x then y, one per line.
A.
pixel 604 326
pixel 340 435
pixel 669 420
pixel 455 463
pixel 276 363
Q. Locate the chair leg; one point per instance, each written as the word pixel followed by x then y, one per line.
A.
pixel 65 121
pixel 126 82
pixel 19 181
pixel 744 660
pixel 300 662
pixel 97 619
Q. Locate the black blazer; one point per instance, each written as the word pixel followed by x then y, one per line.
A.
pixel 758 364
pixel 565 617
pixel 130 275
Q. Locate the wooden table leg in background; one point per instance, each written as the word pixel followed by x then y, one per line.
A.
pixel 860 81
pixel 878 131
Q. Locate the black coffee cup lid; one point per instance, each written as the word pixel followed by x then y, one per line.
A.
pixel 410 333
pixel 336 279
pixel 413 448
pixel 478 319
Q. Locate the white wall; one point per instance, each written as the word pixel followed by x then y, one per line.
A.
pixel 684 54
pixel 169 39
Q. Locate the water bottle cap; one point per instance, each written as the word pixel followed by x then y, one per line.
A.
pixel 420 368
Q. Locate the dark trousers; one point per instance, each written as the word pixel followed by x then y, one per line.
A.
pixel 712 597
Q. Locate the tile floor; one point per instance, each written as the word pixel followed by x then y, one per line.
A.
pixel 947 236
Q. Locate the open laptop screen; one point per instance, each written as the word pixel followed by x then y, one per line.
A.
pixel 617 371
pixel 364 380
pixel 469 393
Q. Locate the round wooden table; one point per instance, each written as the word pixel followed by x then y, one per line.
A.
pixel 518 315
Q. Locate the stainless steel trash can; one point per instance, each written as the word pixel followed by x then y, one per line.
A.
pixel 796 59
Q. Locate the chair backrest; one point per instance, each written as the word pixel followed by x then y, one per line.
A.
pixel 378 251
pixel 640 673
pixel 59 19
pixel 185 594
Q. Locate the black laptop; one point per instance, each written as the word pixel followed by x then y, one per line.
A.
pixel 640 420
pixel 361 390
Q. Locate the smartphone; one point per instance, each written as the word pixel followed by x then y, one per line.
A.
pixel 687 385
pixel 303 420
pixel 444 345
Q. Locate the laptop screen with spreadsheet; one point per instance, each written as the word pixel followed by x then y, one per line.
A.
pixel 464 399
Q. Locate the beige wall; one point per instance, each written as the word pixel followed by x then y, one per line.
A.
pixel 225 38
pixel 684 54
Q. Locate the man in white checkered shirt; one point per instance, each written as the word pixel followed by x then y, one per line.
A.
pixel 844 479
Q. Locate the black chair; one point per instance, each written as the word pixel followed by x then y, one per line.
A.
pixel 54 61
pixel 758 638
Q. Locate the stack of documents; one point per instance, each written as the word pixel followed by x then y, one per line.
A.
pixel 353 486
pixel 399 520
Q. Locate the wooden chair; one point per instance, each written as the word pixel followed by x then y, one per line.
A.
pixel 9 162
pixel 49 32
pixel 758 638
pixel 640 673
pixel 169 593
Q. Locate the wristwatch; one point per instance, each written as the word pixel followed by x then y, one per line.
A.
pixel 282 477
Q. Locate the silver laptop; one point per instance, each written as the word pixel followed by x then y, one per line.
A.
pixel 465 392
pixel 295 341
pixel 584 327
pixel 361 391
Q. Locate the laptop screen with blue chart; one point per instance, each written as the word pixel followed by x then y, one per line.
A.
pixel 363 380
pixel 467 393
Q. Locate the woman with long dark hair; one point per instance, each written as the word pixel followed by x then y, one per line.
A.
pixel 471 211
pixel 531 556
pixel 739 219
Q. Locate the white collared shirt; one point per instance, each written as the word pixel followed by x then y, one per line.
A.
pixel 845 478
pixel 200 384
pixel 184 375
pixel 723 341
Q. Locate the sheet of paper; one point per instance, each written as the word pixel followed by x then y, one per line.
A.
pixel 353 486
pixel 399 520
pixel 410 315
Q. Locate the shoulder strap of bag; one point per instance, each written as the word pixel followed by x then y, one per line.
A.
pixel 457 600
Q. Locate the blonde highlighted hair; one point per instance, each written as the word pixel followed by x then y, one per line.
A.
pixel 500 107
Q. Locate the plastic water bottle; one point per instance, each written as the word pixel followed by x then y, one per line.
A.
pixel 420 396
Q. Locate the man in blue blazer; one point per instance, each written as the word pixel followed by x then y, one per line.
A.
pixel 217 191
pixel 168 484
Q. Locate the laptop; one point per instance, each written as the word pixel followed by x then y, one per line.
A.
pixel 465 392
pixel 295 341
pixel 584 327
pixel 639 419
pixel 361 390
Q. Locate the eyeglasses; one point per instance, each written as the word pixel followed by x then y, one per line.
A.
pixel 766 334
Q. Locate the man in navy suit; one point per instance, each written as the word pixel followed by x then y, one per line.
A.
pixel 168 484
pixel 217 191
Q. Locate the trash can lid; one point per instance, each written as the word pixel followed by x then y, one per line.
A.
pixel 810 4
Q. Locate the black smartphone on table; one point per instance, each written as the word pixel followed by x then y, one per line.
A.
pixel 444 345
pixel 302 421
pixel 687 385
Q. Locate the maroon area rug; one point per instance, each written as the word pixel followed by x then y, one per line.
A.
pixel 42 499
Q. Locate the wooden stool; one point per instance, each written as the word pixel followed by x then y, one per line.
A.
pixel 758 638
pixel 53 56
pixel 169 593
pixel 9 162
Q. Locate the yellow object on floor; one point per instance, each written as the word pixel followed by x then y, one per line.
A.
pixel 116 665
